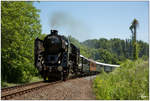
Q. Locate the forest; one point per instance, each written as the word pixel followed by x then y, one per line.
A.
pixel 111 51
pixel 20 26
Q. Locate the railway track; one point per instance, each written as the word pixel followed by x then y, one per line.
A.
pixel 10 92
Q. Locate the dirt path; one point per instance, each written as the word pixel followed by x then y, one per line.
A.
pixel 77 89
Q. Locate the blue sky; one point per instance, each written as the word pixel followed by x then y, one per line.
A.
pixel 94 20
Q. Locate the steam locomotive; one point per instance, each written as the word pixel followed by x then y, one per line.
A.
pixel 56 58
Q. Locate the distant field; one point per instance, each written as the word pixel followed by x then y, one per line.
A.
pixel 129 82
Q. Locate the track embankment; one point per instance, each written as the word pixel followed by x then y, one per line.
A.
pixel 74 89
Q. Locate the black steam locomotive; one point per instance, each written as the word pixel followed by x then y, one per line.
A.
pixel 56 58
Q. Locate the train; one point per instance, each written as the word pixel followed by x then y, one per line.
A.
pixel 56 58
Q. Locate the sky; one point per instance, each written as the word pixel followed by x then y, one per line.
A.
pixel 94 20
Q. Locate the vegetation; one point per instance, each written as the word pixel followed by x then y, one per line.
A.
pixel 20 26
pixel 133 28
pixel 33 79
pixel 130 81
pixel 111 51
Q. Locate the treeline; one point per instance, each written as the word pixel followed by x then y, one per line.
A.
pixel 20 25
pixel 111 51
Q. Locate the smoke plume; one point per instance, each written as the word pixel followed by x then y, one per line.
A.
pixel 72 26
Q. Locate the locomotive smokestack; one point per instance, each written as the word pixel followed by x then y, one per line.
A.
pixel 54 32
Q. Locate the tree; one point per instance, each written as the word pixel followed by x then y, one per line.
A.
pixel 133 28
pixel 104 56
pixel 20 26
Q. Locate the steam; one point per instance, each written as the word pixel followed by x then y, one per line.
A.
pixel 71 26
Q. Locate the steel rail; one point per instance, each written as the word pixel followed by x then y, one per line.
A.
pixel 19 86
pixel 17 93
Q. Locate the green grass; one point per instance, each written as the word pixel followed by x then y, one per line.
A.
pixel 35 79
pixel 6 84
pixel 128 82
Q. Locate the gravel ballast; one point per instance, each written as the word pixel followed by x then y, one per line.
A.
pixel 75 89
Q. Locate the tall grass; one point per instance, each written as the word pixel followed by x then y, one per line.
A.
pixel 130 81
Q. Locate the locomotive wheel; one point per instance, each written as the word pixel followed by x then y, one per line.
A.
pixel 58 76
pixel 50 79
pixel 44 78
pixel 66 75
pixel 62 76
pixel 44 75
pixel 55 76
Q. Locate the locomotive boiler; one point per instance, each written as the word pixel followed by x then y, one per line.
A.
pixel 56 58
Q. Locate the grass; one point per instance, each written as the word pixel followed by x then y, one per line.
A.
pixel 6 84
pixel 35 79
pixel 128 82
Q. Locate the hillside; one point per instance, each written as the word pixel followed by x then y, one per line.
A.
pixel 111 51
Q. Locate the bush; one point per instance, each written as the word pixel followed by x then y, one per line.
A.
pixel 129 81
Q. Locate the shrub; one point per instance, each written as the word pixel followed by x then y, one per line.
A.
pixel 129 81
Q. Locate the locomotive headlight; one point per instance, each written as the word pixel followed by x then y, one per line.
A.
pixel 42 62
pixel 66 43
pixel 59 61
pixel 80 66
pixel 60 68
